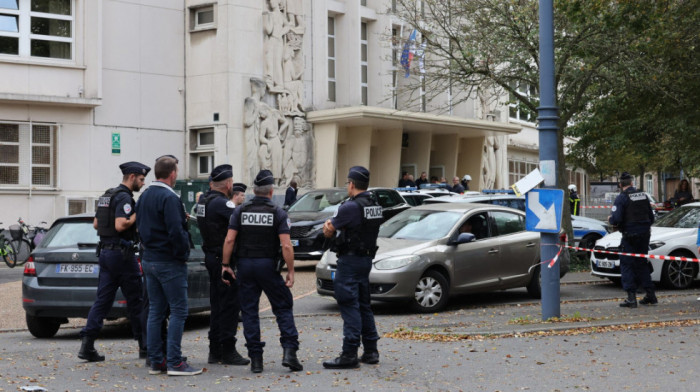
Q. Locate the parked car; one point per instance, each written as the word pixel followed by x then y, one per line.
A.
pixel 61 276
pixel 586 230
pixel 673 234
pixel 414 198
pixel 311 210
pixel 425 255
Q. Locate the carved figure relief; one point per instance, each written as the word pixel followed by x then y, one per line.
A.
pixel 276 135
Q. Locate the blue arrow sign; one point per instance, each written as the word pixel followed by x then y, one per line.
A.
pixel 543 210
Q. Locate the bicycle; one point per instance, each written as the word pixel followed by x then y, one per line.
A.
pixel 25 238
pixel 7 250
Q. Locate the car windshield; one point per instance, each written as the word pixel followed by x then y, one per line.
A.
pixel 71 233
pixel 681 218
pixel 319 201
pixel 416 224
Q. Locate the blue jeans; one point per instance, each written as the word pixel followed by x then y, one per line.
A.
pixel 166 283
pixel 351 286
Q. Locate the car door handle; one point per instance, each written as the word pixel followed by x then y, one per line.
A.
pixel 492 251
pixel 530 244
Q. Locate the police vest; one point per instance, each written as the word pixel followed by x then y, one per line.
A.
pixel 258 237
pixel 637 211
pixel 212 228
pixel 106 216
pixel 362 239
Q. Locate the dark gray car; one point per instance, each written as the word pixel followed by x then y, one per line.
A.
pixel 61 276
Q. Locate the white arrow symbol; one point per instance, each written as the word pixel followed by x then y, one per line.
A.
pixel 547 217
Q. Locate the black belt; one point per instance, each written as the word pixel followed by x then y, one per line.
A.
pixel 112 246
pixel 360 253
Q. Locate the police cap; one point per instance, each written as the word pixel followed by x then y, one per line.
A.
pixel 263 178
pixel 625 176
pixel 134 167
pixel 359 173
pixel 239 187
pixel 221 173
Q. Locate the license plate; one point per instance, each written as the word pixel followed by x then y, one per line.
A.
pixel 77 268
pixel 295 242
pixel 606 264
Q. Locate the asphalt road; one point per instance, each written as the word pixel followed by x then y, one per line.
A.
pixel 648 359
pixel 8 274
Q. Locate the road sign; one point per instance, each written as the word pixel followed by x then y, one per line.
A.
pixel 544 209
pixel 116 143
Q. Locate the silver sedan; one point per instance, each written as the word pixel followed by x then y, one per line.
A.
pixel 430 252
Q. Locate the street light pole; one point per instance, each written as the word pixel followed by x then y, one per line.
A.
pixel 548 118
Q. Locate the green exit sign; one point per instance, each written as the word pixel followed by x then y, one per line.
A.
pixel 116 143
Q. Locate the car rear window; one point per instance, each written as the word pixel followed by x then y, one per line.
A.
pixel 70 233
pixel 319 201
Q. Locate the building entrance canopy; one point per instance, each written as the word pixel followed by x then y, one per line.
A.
pixel 389 141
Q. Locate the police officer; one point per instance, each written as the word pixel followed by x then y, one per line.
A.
pixel 357 220
pixel 114 222
pixel 257 229
pixel 238 197
pixel 574 200
pixel 633 215
pixel 213 212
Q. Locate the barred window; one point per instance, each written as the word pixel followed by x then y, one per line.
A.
pixel 27 154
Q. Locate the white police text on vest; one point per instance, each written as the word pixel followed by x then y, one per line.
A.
pixel 257 219
pixel 103 201
pixel 200 210
pixel 638 196
pixel 374 212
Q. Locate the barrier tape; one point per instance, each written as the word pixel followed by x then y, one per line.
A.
pixel 595 206
pixel 648 256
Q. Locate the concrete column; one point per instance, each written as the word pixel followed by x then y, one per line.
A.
pixel 347 54
pixel 385 157
pixel 444 153
pixel 353 150
pixel 326 158
pixel 418 151
pixel 469 160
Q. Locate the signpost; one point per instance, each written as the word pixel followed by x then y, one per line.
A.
pixel 543 210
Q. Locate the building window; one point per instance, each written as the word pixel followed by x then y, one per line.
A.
pixel 516 110
pixel 77 206
pixel 205 164
pixel 27 154
pixel 395 59
pixel 363 62
pixel 202 143
pixel 363 3
pixel 37 28
pixel 519 169
pixel 649 183
pixel 202 18
pixel 205 138
pixel 331 59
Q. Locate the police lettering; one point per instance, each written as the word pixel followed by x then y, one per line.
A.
pixel 103 201
pixel 257 219
pixel 637 196
pixel 200 210
pixel 373 212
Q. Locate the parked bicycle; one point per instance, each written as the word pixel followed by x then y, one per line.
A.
pixel 7 250
pixel 25 238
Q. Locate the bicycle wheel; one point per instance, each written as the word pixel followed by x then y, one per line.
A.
pixel 22 250
pixel 9 254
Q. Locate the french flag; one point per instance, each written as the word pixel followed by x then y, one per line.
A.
pixel 407 54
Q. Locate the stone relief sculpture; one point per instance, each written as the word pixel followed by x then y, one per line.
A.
pixel 277 137
pixel 488 171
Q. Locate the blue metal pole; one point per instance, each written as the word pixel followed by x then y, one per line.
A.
pixel 548 118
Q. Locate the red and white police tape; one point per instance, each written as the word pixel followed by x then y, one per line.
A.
pixel 648 256
pixel 595 206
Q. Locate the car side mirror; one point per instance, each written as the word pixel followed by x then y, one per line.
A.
pixel 463 238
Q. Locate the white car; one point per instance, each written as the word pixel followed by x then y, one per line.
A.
pixel 674 234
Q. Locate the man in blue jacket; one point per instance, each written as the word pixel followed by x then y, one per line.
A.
pixel 162 224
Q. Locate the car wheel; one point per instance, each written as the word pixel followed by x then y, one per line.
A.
pixel 534 288
pixel 588 242
pixel 431 292
pixel 43 327
pixel 678 275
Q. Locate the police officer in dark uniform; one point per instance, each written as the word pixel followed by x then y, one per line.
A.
pixel 213 212
pixel 633 216
pixel 114 222
pixel 355 227
pixel 256 231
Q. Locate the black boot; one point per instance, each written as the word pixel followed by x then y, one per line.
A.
pixel 631 301
pixel 650 298
pixel 344 361
pixel 143 351
pixel 370 357
pixel 289 359
pixel 214 353
pixel 230 356
pixel 256 364
pixel 88 352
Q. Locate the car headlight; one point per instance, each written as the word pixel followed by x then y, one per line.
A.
pixel 396 262
pixel 324 259
pixel 656 245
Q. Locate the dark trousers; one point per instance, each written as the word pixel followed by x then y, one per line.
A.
pixel 223 321
pixel 254 277
pixel 635 271
pixel 351 286
pixel 116 272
